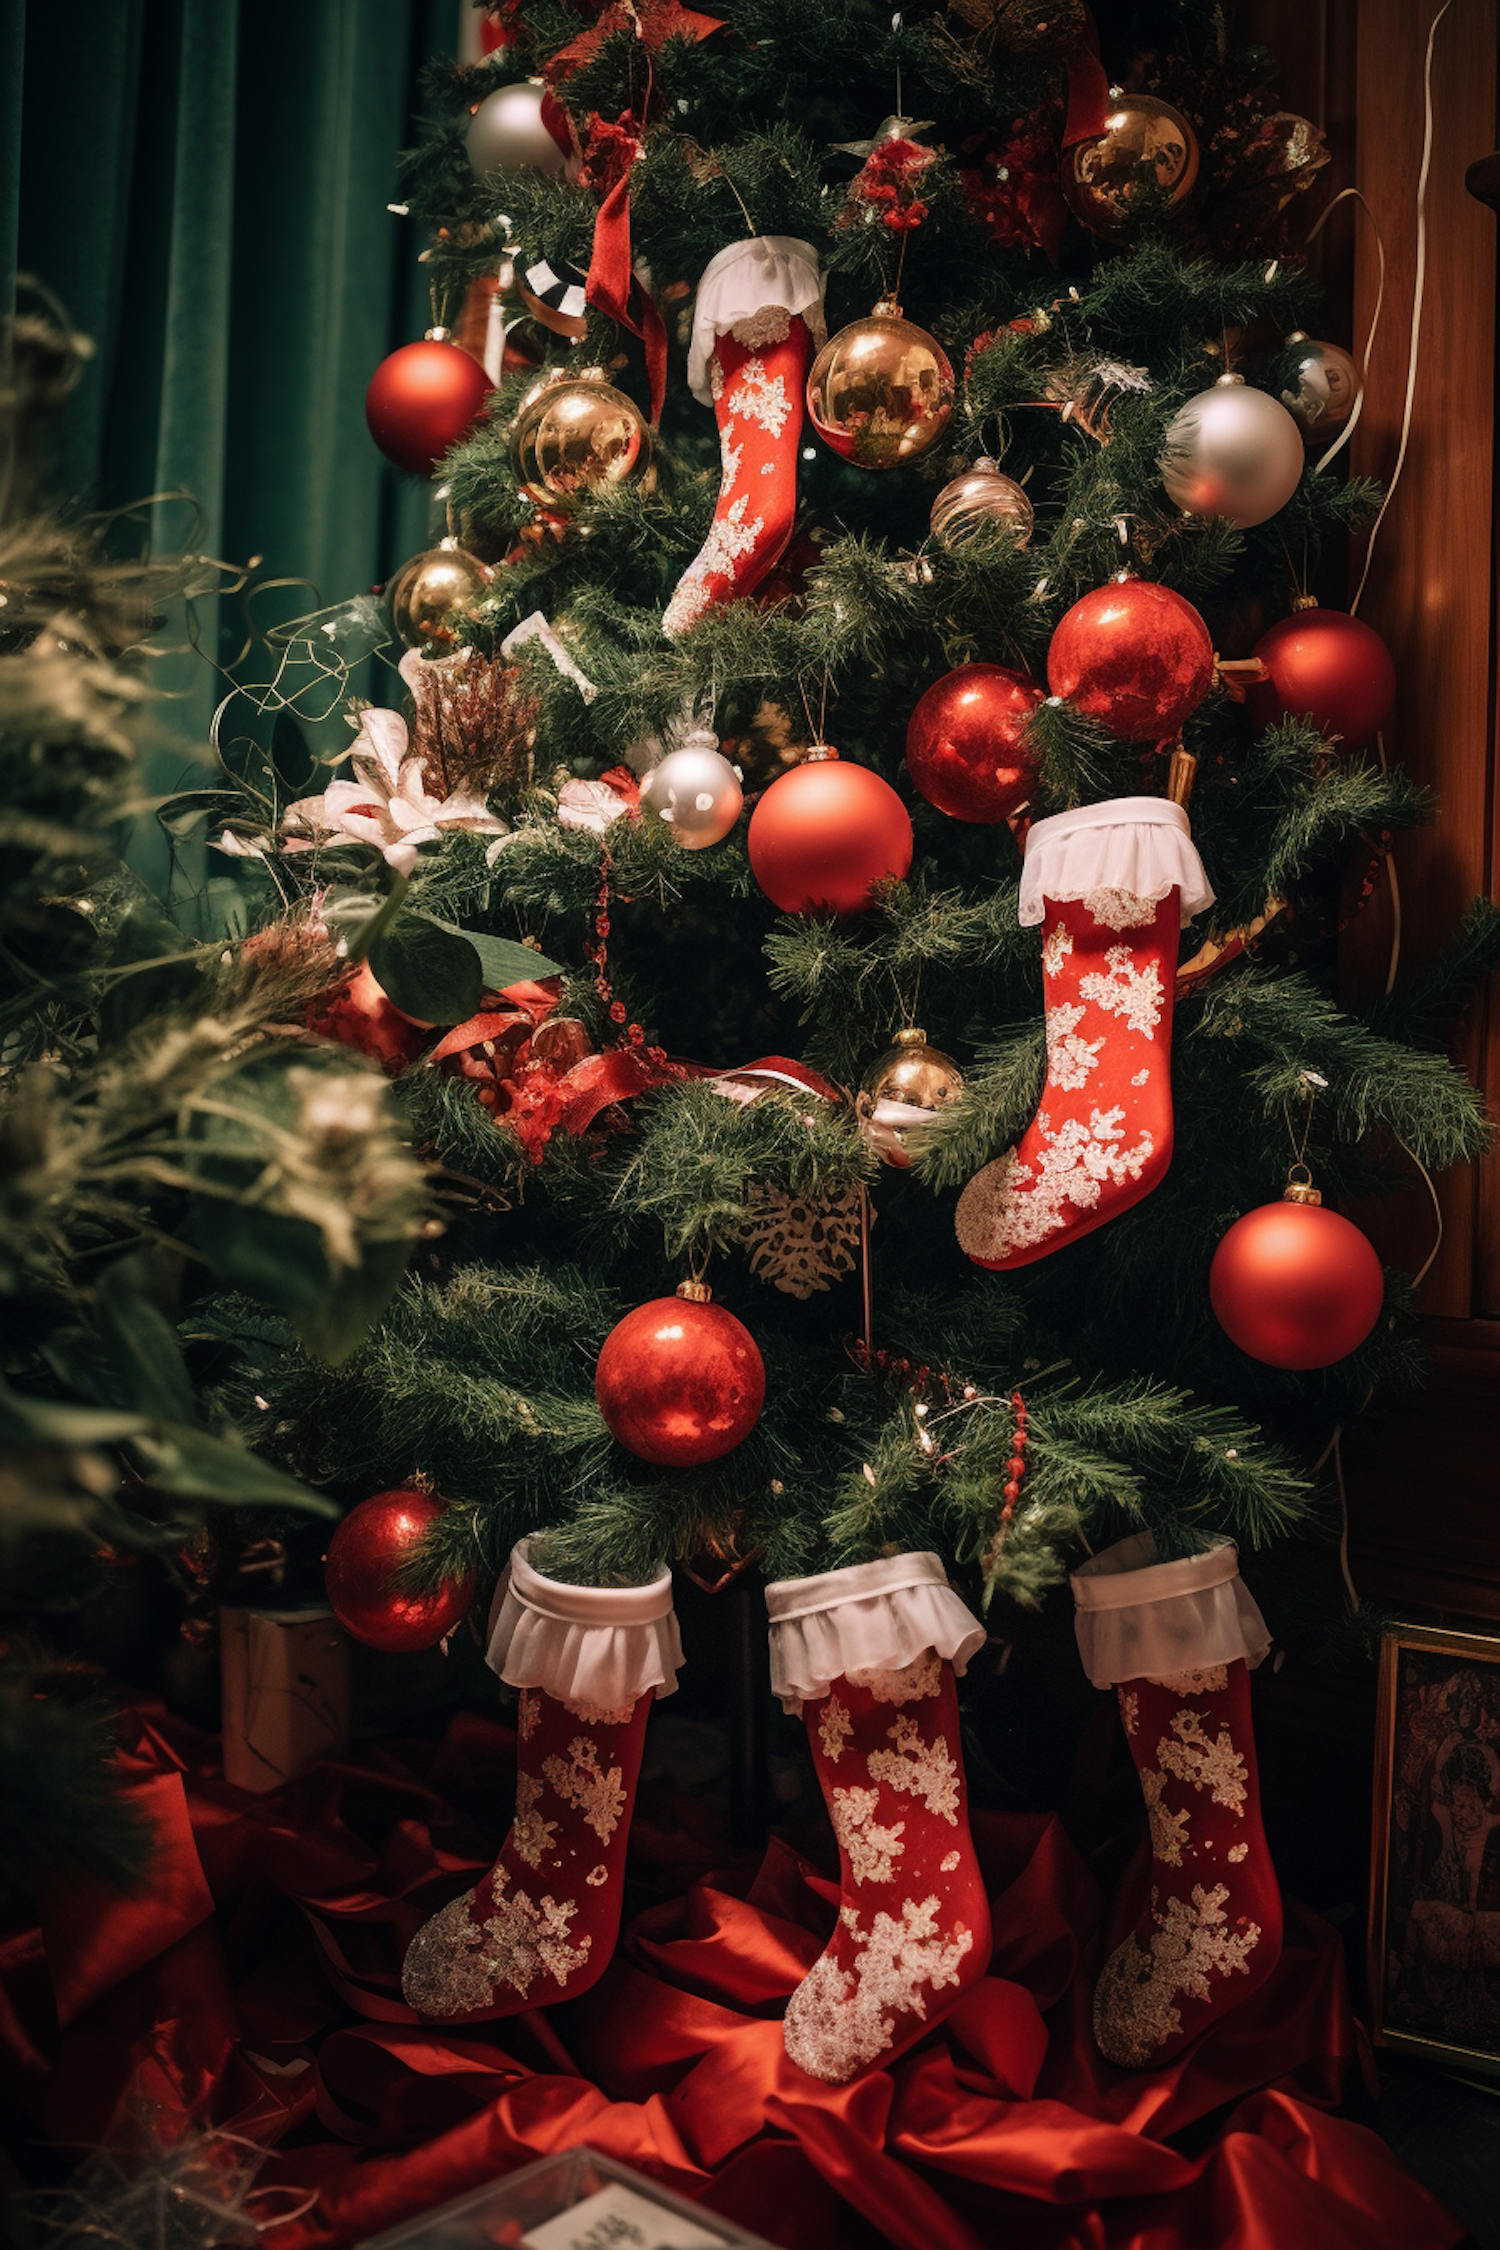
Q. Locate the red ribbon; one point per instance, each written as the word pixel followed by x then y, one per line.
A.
pixel 1088 88
pixel 612 287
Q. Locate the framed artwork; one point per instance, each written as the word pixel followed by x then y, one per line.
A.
pixel 1435 1887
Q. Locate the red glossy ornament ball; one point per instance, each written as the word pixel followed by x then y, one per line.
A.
pixel 1133 655
pixel 1295 1285
pixel 680 1380
pixel 966 742
pixel 421 400
pixel 824 835
pixel 1332 670
pixel 359 1575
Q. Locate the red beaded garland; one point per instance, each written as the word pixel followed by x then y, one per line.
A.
pixel 966 742
pixel 1296 1285
pixel 359 1574
pixel 680 1381
pixel 1133 655
pixel 422 399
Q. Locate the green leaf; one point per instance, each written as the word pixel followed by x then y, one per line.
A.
pixel 333 1329
pixel 152 969
pixel 502 960
pixel 272 1257
pixel 194 1465
pixel 143 1345
pixel 428 971
pixel 52 1421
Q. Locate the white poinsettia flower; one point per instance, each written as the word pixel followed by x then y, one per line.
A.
pixel 590 804
pixel 387 804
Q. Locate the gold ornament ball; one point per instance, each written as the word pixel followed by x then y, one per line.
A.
pixel 981 495
pixel 1146 145
pixel 429 591
pixel 573 435
pixel 881 391
pixel 899 1090
pixel 1324 388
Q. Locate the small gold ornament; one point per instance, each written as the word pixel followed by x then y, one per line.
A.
pixel 902 1091
pixel 881 390
pixel 1324 388
pixel 799 1245
pixel 575 433
pixel 432 589
pixel 1146 145
pixel 981 495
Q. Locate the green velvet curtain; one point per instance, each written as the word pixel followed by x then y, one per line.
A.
pixel 204 184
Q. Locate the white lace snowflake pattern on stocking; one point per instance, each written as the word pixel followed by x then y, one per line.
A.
pixel 1168 1829
pixel 578 1780
pixel 601 1714
pixel 730 457
pixel 913 1683
pixel 729 538
pixel 918 1769
pixel 1001 1211
pixel 761 397
pixel 1069 1058
pixel 1120 910
pixel 1213 1765
pixel 1126 991
pixel 871 1850
pixel 454 1964
pixel 1133 2011
pixel 528 1712
pixel 839 2019
pixel 1056 946
pixel 771 324
pixel 835 1725
pixel 530 1835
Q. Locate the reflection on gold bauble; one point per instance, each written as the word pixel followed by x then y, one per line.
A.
pixel 881 390
pixel 429 591
pixel 1146 145
pixel 1324 388
pixel 901 1090
pixel 574 434
pixel 982 495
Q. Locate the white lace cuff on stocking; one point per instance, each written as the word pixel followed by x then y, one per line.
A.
pixel 604 1645
pixel 873 1617
pixel 769 273
pixel 1138 1618
pixel 1141 846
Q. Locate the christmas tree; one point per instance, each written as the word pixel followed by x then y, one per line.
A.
pixel 669 990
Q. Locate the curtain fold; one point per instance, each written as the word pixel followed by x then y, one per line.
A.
pixel 207 198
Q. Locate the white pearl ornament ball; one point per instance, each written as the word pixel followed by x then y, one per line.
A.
pixel 1232 452
pixel 697 791
pixel 506 133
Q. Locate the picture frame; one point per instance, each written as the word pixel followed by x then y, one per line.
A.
pixel 1434 1937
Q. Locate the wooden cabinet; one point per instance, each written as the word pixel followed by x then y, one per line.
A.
pixel 1424 1478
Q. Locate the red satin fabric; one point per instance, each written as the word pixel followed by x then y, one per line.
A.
pixel 253 1983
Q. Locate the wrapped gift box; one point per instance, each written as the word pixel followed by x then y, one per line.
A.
pixel 286 1693
pixel 575 2201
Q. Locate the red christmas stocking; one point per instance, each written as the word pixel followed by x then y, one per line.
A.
pixel 869 1656
pixel 542 1925
pixel 758 318
pixel 1177 1641
pixel 1113 884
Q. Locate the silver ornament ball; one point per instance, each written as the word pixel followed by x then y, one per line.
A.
pixel 1325 386
pixel 1232 452
pixel 983 494
pixel 506 133
pixel 696 791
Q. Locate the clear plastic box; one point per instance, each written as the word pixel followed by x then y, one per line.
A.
pixel 576 2201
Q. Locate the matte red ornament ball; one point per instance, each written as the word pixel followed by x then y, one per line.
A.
pixel 825 834
pixel 1332 670
pixel 1295 1285
pixel 421 400
pixel 359 1574
pixel 1133 655
pixel 966 742
pixel 680 1381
